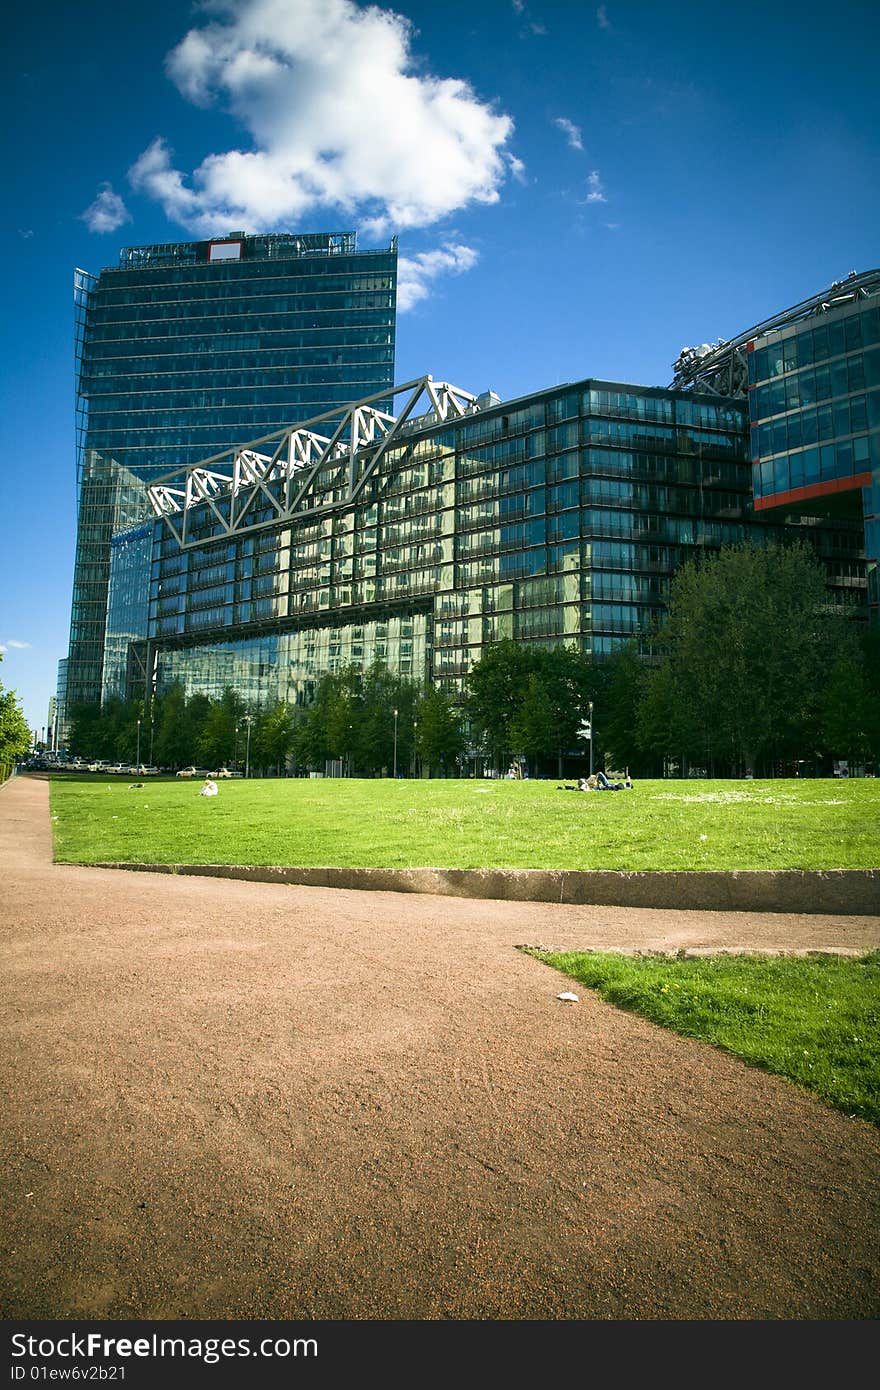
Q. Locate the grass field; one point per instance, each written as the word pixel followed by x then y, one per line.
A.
pixel 814 1020
pixel 809 824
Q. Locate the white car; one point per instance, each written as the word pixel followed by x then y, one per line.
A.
pixel 187 772
pixel 222 772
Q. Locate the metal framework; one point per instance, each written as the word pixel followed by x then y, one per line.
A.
pixel 722 368
pixel 297 472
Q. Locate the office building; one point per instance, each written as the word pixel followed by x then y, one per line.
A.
pixel 422 523
pixel 812 379
pixel 183 349
pixel 420 537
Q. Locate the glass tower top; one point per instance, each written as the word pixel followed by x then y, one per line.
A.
pixel 184 349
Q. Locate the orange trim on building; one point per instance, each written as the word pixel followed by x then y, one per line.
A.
pixel 804 494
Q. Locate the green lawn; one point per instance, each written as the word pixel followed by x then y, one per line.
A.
pixel 807 824
pixel 814 1020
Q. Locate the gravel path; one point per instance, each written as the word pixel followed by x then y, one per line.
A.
pixel 236 1100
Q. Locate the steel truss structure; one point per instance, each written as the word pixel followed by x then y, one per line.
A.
pixel 298 473
pixel 721 369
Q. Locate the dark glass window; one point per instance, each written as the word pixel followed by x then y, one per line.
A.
pixel 871 327
pixel 856 373
pixel 836 339
pixel 858 414
pixel 811 466
pixel 762 364
pixel 809 427
pixel 795 436
pixel 839 378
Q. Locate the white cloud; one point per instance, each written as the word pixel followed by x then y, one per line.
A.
pixel 20 646
pixel 518 6
pixel 415 273
pixel 597 190
pixel 572 132
pixel 517 168
pixel 107 212
pixel 602 18
pixel 339 116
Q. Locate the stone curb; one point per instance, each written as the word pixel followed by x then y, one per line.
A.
pixel 832 891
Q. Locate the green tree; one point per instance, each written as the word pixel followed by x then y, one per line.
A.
pixel 524 698
pixel 869 644
pixel 272 739
pixel 495 687
pixel 309 747
pixel 571 680
pixel 15 736
pixel 658 731
pixel 849 710
pixel 217 741
pixel 748 634
pixel 328 727
pixel 533 728
pixel 172 744
pixel 440 742
pixel 85 739
pixel 381 693
pixel 625 676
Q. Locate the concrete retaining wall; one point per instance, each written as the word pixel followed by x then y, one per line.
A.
pixel 830 891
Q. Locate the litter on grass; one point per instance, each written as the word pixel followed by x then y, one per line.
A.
pixel 572 998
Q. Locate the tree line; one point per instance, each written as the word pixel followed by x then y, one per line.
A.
pixel 370 722
pixel 754 668
pixel 15 736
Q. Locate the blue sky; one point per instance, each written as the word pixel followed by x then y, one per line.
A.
pixel 579 190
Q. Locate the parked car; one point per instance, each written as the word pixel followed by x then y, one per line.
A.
pixel 187 772
pixel 222 772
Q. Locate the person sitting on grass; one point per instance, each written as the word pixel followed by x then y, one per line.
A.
pixel 209 788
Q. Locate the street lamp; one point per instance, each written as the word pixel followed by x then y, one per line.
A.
pixel 247 757
pixel 395 744
pixel 138 758
pixel 591 738
pixel 415 748
pixel 151 736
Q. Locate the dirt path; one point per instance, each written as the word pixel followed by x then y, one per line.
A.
pixel 236 1100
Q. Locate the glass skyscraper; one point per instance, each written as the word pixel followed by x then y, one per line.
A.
pixel 186 349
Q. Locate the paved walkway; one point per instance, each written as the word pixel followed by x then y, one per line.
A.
pixel 224 1099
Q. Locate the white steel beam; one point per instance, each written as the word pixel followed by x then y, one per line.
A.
pixel 298 457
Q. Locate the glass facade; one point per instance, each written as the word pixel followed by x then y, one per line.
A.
pixel 287 665
pixel 111 498
pixel 186 349
pixel 814 410
pixel 127 609
pixel 556 518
